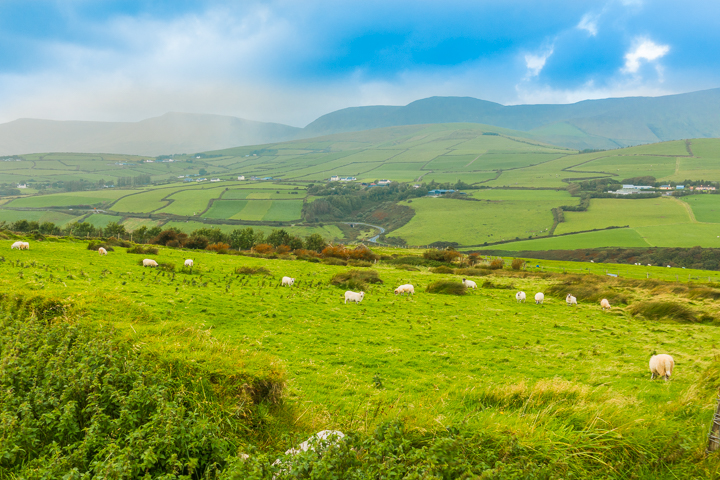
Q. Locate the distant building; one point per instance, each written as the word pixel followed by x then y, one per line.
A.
pixel 201 179
pixel 149 161
pixel 334 178
pixel 214 179
pixel 383 182
pixel 181 176
pixel 347 179
pixel 188 180
pixel 631 191
pixel 416 186
pixel 241 177
pixel 703 187
pixel 637 187
pixel 665 187
pixel 21 185
pixel 680 187
pixel 437 192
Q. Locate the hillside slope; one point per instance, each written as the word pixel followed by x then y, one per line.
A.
pixel 169 133
pixel 607 123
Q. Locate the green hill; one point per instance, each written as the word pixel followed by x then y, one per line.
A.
pixel 606 123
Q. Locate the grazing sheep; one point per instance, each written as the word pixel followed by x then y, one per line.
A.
pixel 188 263
pixel 24 246
pixel 469 283
pixel 661 365
pixel 604 304
pixel 102 251
pixel 520 297
pixel 287 281
pixel 407 288
pixel 570 299
pixel 148 262
pixel 354 297
pixel 17 245
pixel 539 298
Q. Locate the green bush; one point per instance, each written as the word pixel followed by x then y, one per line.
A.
pixel 356 279
pixel 447 287
pixel 333 261
pixel 75 403
pixel 143 250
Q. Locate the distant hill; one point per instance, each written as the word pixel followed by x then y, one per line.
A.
pixel 169 133
pixel 608 123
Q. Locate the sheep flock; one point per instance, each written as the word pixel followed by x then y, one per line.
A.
pixel 660 365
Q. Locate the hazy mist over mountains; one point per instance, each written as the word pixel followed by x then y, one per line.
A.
pixel 601 124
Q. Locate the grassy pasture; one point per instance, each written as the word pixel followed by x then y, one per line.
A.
pixel 36 215
pixel 191 202
pixel 554 378
pixel 621 237
pixel 500 215
pixel 607 212
pixel 706 208
pixel 95 197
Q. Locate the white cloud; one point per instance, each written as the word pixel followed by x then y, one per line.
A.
pixel 643 49
pixel 589 23
pixel 535 63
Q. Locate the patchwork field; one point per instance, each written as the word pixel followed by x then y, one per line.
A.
pixel 566 389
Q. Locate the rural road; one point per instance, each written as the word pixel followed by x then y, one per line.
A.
pixel 372 239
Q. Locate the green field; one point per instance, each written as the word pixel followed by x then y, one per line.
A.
pixel 37 215
pixel 497 215
pixel 566 389
pixel 706 208
pixel 621 237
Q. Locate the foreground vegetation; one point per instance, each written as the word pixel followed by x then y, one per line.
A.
pixel 432 385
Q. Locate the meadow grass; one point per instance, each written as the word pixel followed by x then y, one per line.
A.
pixel 620 237
pixel 706 208
pixel 555 378
pixel 608 212
pixel 191 202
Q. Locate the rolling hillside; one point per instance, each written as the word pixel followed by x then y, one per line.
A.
pixel 607 123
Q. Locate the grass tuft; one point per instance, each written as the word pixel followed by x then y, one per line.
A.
pixel 356 279
pixel 447 287
pixel 252 271
pixel 663 310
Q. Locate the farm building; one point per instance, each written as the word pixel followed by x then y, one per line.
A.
pixel 437 192
pixel 347 179
pixel 242 177
pixel 334 178
pixel 383 182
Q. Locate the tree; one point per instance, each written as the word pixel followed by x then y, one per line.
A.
pixel 46 228
pixel 141 233
pixel 202 171
pixel 154 232
pixel 242 239
pixel 295 243
pixel 278 237
pixel 315 242
pixel 113 229
pixel 21 226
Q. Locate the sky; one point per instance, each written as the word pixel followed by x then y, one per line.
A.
pixel 292 61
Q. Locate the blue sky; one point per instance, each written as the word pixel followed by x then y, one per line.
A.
pixel 291 61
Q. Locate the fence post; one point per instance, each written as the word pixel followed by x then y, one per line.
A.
pixel 714 435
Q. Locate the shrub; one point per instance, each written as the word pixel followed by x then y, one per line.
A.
pixel 282 250
pixel 355 279
pixel 447 287
pixel 334 261
pixel 496 264
pixel 143 250
pixel 167 267
pixel 359 263
pixel 489 284
pixel 407 268
pixel 415 261
pixel 361 252
pixel 218 247
pixel 252 271
pixel 518 263
pixel 304 254
pixel 442 269
pixel 658 310
pixel 447 256
pixel 263 248
pixel 196 242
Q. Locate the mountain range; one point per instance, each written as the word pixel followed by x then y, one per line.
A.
pixel 591 124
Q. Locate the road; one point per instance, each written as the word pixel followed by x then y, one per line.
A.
pixel 372 239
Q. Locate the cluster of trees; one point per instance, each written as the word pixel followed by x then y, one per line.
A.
pixel 135 181
pixel 341 201
pixel 76 229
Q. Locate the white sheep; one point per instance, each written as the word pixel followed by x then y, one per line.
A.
pixel 354 297
pixel 570 299
pixel 287 281
pixel 188 263
pixel 539 298
pixel 604 304
pixel 24 246
pixel 661 365
pixel 102 251
pixel 407 288
pixel 17 245
pixel 469 283
pixel 520 297
pixel 148 262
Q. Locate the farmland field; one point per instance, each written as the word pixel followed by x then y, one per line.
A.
pixel 497 215
pixel 565 388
